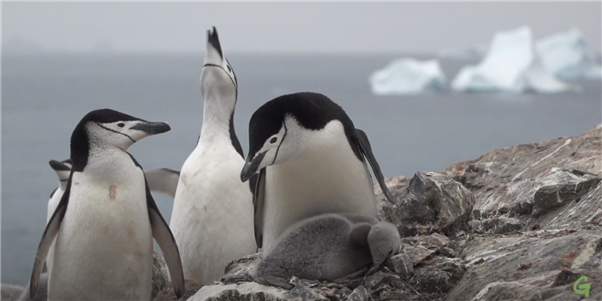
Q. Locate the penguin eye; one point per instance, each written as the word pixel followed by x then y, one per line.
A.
pixel 120 124
pixel 273 140
pixel 229 68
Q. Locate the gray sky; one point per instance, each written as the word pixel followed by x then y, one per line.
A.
pixel 287 27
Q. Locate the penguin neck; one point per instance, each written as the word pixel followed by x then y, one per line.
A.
pixel 63 184
pixel 217 116
pixel 106 160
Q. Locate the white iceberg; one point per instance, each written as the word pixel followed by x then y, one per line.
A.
pixel 541 81
pixel 509 66
pixel 567 56
pixel 407 76
pixel 476 52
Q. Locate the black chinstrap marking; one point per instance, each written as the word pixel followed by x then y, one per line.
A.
pixel 281 141
pixel 231 79
pixel 114 131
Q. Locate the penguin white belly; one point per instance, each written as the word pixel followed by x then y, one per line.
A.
pixel 315 184
pixel 212 217
pixel 103 250
pixel 52 204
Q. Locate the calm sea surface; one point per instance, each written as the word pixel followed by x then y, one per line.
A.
pixel 44 97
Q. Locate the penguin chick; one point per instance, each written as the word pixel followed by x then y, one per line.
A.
pixel 330 246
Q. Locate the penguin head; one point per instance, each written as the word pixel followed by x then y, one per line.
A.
pixel 62 168
pixel 108 128
pixel 218 80
pixel 290 126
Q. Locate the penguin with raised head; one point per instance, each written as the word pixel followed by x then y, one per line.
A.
pixel 330 246
pixel 311 160
pixel 212 217
pixel 105 222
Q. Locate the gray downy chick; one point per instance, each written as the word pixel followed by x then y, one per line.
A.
pixel 330 246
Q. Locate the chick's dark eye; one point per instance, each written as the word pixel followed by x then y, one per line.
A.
pixel 120 125
pixel 229 68
pixel 273 140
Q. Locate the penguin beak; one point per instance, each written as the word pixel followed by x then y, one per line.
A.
pixel 251 167
pixel 152 128
pixel 58 166
pixel 213 41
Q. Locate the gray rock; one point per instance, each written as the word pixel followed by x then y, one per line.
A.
pixel 248 291
pixel 403 265
pixel 417 254
pixel 438 276
pixel 438 201
pixel 359 294
pixel 301 291
pixel 567 186
pixel 241 270
pixel 508 178
pixel 529 262
pixel 499 225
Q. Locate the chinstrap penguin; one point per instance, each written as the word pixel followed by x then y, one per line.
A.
pixel 62 170
pixel 311 160
pixel 162 180
pixel 105 222
pixel 212 217
pixel 330 246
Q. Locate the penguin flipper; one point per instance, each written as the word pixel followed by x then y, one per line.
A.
pixel 163 180
pixel 258 203
pixel 364 145
pixel 167 243
pixel 50 233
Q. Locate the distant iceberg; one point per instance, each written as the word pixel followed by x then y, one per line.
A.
pixel 407 76
pixel 509 66
pixel 472 53
pixel 567 56
pixel 539 80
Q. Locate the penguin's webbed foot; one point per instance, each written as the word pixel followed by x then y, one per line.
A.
pixel 349 277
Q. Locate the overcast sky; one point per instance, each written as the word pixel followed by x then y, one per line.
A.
pixel 286 27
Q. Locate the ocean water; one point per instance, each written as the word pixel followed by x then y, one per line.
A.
pixel 45 95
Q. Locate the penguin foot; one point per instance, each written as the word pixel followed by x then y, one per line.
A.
pixel 351 276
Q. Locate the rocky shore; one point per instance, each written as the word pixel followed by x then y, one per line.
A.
pixel 518 223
